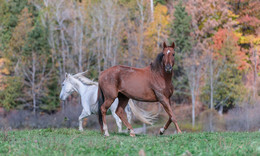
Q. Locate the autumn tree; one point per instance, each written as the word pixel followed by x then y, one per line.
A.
pixel 227 76
pixel 249 22
pixel 156 32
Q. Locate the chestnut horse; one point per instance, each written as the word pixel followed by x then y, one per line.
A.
pixel 150 84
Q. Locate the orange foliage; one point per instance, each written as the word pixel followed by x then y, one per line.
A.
pixel 3 71
pixel 220 38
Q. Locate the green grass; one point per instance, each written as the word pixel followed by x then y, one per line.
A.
pixel 72 142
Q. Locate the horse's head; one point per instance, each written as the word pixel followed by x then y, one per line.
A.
pixel 67 87
pixel 168 57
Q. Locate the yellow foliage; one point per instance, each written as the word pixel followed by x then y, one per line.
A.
pixel 3 71
pixel 256 41
pixel 232 15
pixel 157 29
pixel 3 68
pixel 238 34
pixel 161 19
pixel 246 39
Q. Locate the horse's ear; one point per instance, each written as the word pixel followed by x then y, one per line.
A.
pixel 164 45
pixel 173 45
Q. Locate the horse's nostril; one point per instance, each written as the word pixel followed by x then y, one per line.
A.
pixel 168 68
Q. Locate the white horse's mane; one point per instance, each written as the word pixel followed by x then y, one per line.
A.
pixel 84 80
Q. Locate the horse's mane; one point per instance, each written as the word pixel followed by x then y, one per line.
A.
pixel 84 80
pixel 157 63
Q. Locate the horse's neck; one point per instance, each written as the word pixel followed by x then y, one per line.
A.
pixel 166 76
pixel 78 86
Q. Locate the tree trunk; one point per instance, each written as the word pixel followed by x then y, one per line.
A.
pixel 151 2
pixel 140 5
pixel 33 82
pixel 144 128
pixel 80 51
pixel 193 108
pixel 211 82
pixel 211 93
pixel 255 75
pixel 220 111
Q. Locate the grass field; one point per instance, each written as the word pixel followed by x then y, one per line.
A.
pixel 72 142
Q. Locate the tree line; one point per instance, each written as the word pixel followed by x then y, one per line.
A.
pixel 217 47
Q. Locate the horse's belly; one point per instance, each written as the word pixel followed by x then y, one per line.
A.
pixel 140 95
pixel 137 88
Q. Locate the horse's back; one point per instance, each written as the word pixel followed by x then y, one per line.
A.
pixel 132 82
pixel 119 74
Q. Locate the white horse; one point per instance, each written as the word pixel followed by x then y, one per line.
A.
pixel 88 91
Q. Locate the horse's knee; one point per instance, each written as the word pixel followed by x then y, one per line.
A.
pixel 119 111
pixel 173 119
pixel 103 109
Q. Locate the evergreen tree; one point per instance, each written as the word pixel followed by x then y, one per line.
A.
pixel 181 29
pixel 39 68
pixel 12 91
pixel 9 11
pixel 10 83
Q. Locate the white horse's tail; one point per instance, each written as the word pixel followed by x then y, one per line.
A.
pixel 142 115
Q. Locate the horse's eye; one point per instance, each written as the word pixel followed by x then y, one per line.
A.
pixel 173 54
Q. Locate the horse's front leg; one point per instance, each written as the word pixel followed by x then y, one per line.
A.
pixel 113 108
pixel 128 113
pixel 81 117
pixel 162 130
pixel 166 105
pixel 118 121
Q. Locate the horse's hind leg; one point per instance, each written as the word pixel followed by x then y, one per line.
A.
pixel 123 101
pixel 104 108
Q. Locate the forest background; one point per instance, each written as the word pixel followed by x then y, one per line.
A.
pixel 216 72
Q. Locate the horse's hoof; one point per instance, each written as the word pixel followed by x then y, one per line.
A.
pixel 81 129
pixel 106 134
pixel 179 132
pixel 132 134
pixel 161 131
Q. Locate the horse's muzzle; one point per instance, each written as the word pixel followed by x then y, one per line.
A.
pixel 62 98
pixel 168 68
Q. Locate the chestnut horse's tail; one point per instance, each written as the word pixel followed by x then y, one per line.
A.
pixel 100 102
pixel 142 115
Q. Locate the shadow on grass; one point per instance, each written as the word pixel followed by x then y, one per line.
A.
pixel 126 134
